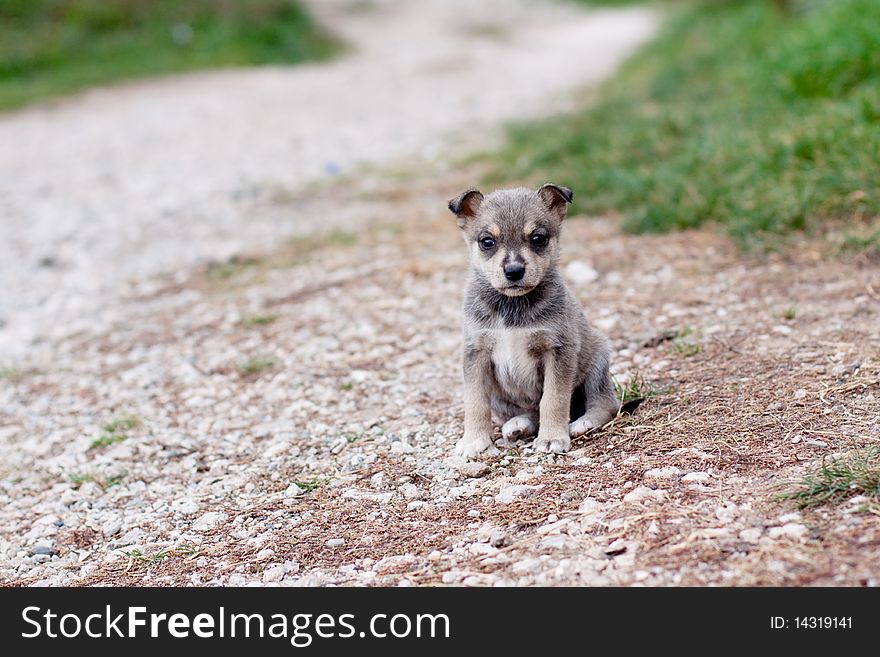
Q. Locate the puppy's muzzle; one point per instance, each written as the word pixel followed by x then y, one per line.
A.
pixel 514 271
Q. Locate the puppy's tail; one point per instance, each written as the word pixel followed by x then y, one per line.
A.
pixel 630 405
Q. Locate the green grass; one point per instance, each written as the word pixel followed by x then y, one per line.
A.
pixel 255 365
pixel 139 556
pixel 685 344
pixel 761 119
pixel 235 266
pixel 612 3
pixel 107 439
pixel 300 249
pixel 54 47
pixel 308 486
pixel 636 387
pixel 259 320
pixel 303 245
pixel 123 423
pixel 636 390
pixel 855 243
pixel 840 478
pixel 116 431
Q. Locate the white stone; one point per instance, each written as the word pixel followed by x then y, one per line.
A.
pixel 698 477
pixel 643 493
pixel 662 473
pixel 557 542
pixel 515 492
pixel 751 535
pixel 580 272
pixel 208 521
pixel 185 507
pixel 111 527
pixel 792 530
pixel 480 549
pixel 411 491
pixel 553 527
pixel 589 506
pixel 528 565
pixel 293 491
pixel 474 469
pixel 498 538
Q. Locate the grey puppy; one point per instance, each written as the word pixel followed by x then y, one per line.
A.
pixel 531 359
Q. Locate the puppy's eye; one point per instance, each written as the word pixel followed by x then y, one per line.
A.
pixel 487 243
pixel 539 239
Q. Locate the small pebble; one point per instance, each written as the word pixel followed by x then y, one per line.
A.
pixel 498 538
pixel 293 490
pixel 513 493
pixel 474 469
pixel 643 493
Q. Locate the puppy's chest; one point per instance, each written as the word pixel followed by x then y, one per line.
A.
pixel 515 355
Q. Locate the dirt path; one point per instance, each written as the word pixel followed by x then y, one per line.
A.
pixel 106 189
pixel 288 416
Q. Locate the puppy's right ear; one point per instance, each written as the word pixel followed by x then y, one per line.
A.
pixel 465 205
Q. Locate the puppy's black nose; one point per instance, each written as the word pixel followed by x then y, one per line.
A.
pixel 514 271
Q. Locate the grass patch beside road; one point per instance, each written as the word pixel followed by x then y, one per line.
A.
pixel 841 478
pixel 762 118
pixel 53 47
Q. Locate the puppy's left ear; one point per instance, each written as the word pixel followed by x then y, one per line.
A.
pixel 556 198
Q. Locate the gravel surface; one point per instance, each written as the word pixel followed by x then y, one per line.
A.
pixel 291 421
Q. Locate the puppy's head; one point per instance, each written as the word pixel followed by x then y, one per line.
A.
pixel 513 234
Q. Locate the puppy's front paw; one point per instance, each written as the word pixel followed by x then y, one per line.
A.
pixel 557 444
pixel 470 446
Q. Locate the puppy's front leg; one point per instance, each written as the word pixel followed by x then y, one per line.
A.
pixel 555 405
pixel 477 412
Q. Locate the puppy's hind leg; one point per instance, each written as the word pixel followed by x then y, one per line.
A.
pixel 516 422
pixel 519 427
pixel 600 402
pixel 595 417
